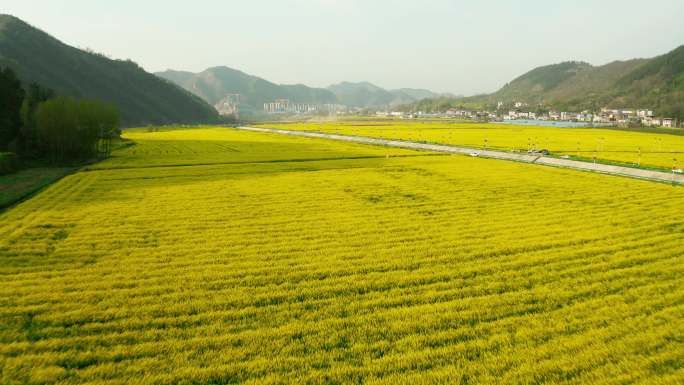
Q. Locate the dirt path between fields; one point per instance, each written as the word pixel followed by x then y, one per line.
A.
pixel 652 175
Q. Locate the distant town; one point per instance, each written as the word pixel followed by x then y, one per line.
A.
pixel 518 111
pixel 283 106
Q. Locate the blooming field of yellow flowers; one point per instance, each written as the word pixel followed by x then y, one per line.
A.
pixel 213 256
pixel 631 148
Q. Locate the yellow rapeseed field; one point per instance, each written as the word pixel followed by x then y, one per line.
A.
pixel 213 256
pixel 632 148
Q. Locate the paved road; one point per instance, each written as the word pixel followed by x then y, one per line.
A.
pixel 518 157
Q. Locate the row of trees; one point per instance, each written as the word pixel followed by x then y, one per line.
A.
pixel 36 123
pixel 70 129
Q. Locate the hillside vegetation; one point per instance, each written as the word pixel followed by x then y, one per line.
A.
pixel 250 258
pixel 141 98
pixel 659 82
pixel 656 83
pixel 565 81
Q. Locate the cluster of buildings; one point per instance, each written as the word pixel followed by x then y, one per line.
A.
pixel 518 111
pixel 284 106
pixel 606 116
pixel 584 116
pixel 393 114
pixel 471 114
pixel 452 114
pixel 627 116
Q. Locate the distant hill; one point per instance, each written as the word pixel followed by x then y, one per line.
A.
pixel 142 98
pixel 656 83
pixel 569 83
pixel 365 94
pixel 362 94
pixel 214 84
pixel 539 82
pixel 419 94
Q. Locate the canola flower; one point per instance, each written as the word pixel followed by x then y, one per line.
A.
pixel 212 257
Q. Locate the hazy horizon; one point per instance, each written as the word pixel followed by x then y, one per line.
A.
pixel 461 47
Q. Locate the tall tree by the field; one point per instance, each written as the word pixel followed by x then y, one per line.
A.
pixel 98 125
pixel 11 98
pixel 56 121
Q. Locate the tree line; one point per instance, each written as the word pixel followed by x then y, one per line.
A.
pixel 36 123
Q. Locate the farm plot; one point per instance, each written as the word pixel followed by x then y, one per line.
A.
pixel 215 146
pixel 632 148
pixel 309 261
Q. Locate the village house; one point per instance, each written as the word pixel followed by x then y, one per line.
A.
pixel 512 115
pixel 645 114
pixel 453 112
pixel 585 116
pixel 653 122
pixel 569 116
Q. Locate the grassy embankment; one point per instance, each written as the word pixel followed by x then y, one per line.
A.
pixel 21 178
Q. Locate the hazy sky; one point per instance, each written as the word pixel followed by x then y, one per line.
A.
pixel 457 46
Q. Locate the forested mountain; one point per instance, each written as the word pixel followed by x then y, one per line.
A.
pixel 365 94
pixel 141 98
pixel 214 84
pixel 659 84
pixel 656 83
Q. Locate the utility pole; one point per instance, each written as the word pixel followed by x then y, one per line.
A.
pixel 674 164
pixel 674 168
